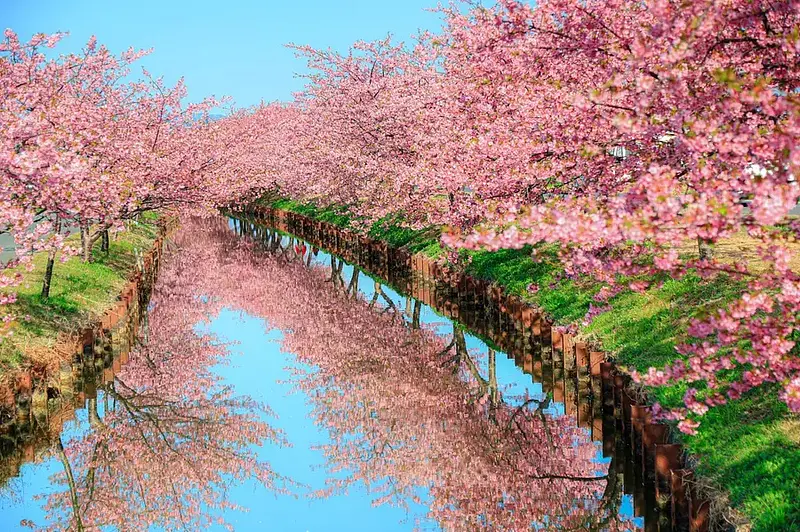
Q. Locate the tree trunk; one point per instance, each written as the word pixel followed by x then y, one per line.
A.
pixel 462 356
pixel 415 317
pixel 705 248
pixel 494 391
pixel 353 286
pixel 333 271
pixel 94 416
pixel 86 242
pixel 461 345
pixel 105 243
pixel 48 273
pixel 73 490
pixel 339 273
pixel 51 260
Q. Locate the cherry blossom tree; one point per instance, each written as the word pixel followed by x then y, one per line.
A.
pixel 661 119
pixel 624 132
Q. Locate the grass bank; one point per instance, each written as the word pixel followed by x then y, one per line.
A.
pixel 750 448
pixel 79 293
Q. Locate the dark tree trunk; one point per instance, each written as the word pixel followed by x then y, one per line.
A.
pixel 48 274
pixel 86 242
pixel 705 248
pixel 339 278
pixel 105 244
pixel 353 286
pixel 51 260
pixel 333 271
pixel 415 317
pixel 461 345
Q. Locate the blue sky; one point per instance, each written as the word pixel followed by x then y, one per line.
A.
pixel 229 48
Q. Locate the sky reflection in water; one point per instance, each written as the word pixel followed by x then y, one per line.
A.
pixel 258 369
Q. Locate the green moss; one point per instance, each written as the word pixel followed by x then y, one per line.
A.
pixel 743 446
pixel 79 292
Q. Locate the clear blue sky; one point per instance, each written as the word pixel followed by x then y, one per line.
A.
pixel 223 48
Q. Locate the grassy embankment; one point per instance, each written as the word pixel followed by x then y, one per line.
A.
pixel 750 447
pixel 79 293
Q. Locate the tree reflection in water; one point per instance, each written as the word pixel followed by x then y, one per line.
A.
pixel 409 413
pixel 172 438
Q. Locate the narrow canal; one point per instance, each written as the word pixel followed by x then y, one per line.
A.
pixel 273 386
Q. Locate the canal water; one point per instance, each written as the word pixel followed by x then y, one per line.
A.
pixel 273 386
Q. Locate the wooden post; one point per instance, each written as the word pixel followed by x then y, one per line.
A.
pixel 654 434
pixel 582 359
pixel 668 458
pixel 680 503
pixel 568 353
pixel 596 359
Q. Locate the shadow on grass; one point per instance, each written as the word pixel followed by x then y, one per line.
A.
pixel 746 446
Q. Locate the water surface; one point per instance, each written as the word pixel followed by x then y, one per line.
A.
pixel 275 387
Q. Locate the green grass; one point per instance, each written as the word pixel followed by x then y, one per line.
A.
pixel 79 292
pixel 750 447
pixel 389 230
pixel 331 215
